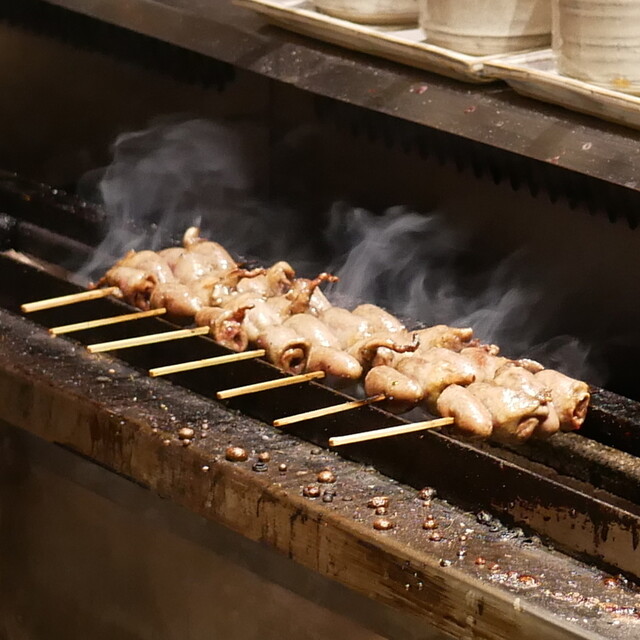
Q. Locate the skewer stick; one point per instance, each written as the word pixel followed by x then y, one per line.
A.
pixel 72 298
pixel 103 322
pixel 150 339
pixel 389 431
pixel 269 384
pixel 327 411
pixel 206 362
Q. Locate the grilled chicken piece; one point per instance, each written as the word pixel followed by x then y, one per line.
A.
pixel 227 283
pixel 280 277
pixel 530 365
pixel 570 397
pixel 334 362
pixel 274 281
pixel 238 300
pixel 486 363
pixel 348 328
pixel 226 326
pixel 191 236
pixel 171 255
pixel 150 262
pixel 258 284
pixel 364 351
pixel 190 267
pixel 434 376
pixel 280 305
pixel 302 289
pixel 204 289
pixel 515 377
pixel 136 285
pixel 259 318
pixel 379 320
pixel 467 368
pixel 472 418
pixel 402 393
pixel 439 336
pixel 178 299
pixel 285 348
pixel 214 254
pixel 549 426
pixel 516 416
pixel 313 329
pixel 318 303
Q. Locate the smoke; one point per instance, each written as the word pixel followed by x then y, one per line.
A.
pixel 177 174
pixel 422 268
pixel 419 266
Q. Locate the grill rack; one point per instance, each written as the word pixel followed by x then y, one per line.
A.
pixel 605 521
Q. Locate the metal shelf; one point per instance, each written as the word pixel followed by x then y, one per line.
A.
pixel 492 115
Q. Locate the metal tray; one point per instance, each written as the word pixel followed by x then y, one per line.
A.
pixel 535 75
pixel 530 73
pixel 406 45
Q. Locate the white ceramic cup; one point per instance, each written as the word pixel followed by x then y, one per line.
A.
pixel 371 11
pixel 599 41
pixel 483 27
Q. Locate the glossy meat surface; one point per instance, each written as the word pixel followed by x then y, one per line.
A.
pixel 348 328
pixel 365 350
pixel 402 393
pixel 433 377
pixel 442 367
pixel 177 298
pixel 487 364
pixel 333 362
pixel 472 418
pixel 441 335
pixel 313 329
pixel 285 348
pixel 379 320
pixel 516 415
pixel 225 326
pixel 570 397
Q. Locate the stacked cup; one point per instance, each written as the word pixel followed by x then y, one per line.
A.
pixel 398 12
pixel 594 40
pixel 483 27
pixel 599 41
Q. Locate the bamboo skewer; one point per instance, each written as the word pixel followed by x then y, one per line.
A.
pixel 389 431
pixel 327 411
pixel 103 322
pixel 72 298
pixel 269 384
pixel 206 362
pixel 150 339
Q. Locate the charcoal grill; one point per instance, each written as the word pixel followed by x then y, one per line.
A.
pixel 578 493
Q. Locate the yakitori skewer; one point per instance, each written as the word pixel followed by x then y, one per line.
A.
pixel 327 411
pixel 103 322
pixel 206 362
pixel 153 338
pixel 269 384
pixel 389 431
pixel 72 298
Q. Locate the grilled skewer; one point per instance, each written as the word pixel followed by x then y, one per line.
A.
pixel 72 298
pixel 390 431
pixel 441 367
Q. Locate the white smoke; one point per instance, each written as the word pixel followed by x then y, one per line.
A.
pixel 419 266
